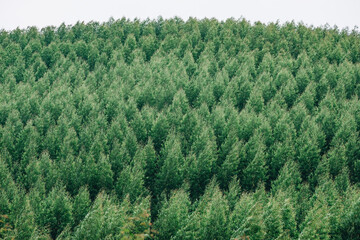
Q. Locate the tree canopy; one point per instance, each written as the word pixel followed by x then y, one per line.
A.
pixel 173 129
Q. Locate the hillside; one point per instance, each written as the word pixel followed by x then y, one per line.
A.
pixel 195 129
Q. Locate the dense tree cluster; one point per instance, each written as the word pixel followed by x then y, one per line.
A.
pixel 172 129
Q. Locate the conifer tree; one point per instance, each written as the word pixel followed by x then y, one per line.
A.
pixel 272 220
pixel 246 220
pixel 256 171
pixel 350 222
pixel 172 215
pixel 171 165
pixel 25 226
pixel 56 211
pixel 308 155
pixel 81 205
pixel 202 166
pixel 316 224
pixel 131 182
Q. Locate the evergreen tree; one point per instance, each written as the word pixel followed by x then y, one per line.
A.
pixel 272 220
pixel 131 182
pixel 255 172
pixel 171 165
pixel 172 215
pixel 349 227
pixel 25 226
pixel 81 205
pixel 246 219
pixel 159 132
pixel 202 165
pixel 316 224
pixel 308 155
pixel 56 211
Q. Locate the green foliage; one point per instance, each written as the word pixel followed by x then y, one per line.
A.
pixel 210 218
pixel 171 166
pixel 316 224
pixel 219 129
pixel 56 211
pixel 246 220
pixel 172 215
pixel 107 220
pixel 272 220
pixel 131 182
pixel 350 223
pixel 81 205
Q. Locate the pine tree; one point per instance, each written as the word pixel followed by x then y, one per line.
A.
pixel 171 165
pixel 256 171
pixel 308 155
pixel 131 182
pixel 81 206
pixel 246 220
pixel 56 211
pixel 316 224
pixel 272 220
pixel 172 215
pixel 202 165
pixel 159 132
pixel 350 223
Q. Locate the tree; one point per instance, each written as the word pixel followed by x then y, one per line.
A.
pixel 337 160
pixel 302 79
pixel 290 92
pixel 350 223
pixel 272 220
pixel 159 132
pixel 171 166
pixel 81 206
pixel 173 214
pixel 202 165
pixel 316 224
pixel 283 77
pixel 256 101
pixel 256 171
pixel 288 220
pixel 308 154
pixel 149 45
pixel 131 181
pixel 151 166
pixel 246 220
pixel 289 179
pixel 129 46
pixel 56 211
pixel 231 166
pixel 103 219
pixel 98 175
pixel 233 192
pixel 25 226
pixel 210 219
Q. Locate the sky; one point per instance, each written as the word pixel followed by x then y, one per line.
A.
pixel 41 13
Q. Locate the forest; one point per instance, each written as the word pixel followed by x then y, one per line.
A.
pixel 173 129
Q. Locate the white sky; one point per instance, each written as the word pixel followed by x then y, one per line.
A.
pixel 40 13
